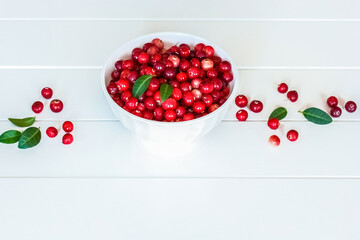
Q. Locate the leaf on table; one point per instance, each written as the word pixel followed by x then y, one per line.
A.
pixel 279 113
pixel 23 122
pixel 29 138
pixel 9 137
pixel 317 116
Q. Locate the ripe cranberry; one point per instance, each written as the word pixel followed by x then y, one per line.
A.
pixel 180 111
pixel 123 84
pixel 206 87
pixel 181 77
pixel 188 98
pixel 169 73
pixel 217 95
pixel 159 67
pixel 209 51
pixel 155 58
pixel 133 76
pixel 207 99
pixel 292 135
pixel 273 123
pixel 227 77
pixel 185 87
pixel 141 106
pixel 68 126
pixel 150 103
pixel 200 54
pixel 197 94
pixel 175 60
pixel 143 58
pixel 199 47
pixel 335 112
pixel 242 115
pixel 67 139
pixel 256 106
pixel 147 114
pixel 128 64
pixel 132 103
pixel 184 65
pixel 332 101
pixel 226 91
pixel 148 71
pixel 198 106
pixel 218 84
pixel 282 88
pixel 158 43
pixel 37 107
pixel 169 64
pixel 152 50
pixel 193 72
pixel 174 83
pixel 222 101
pixel 224 66
pixel 134 55
pixel 195 62
pixel 188 116
pixel 195 83
pixel 292 96
pixel 157 96
pixel 115 74
pixel 47 92
pixel 112 88
pixel 176 94
pixel 169 104
pixel 56 105
pixel 212 73
pixel 149 93
pixel 125 96
pixel 207 64
pixel 154 84
pixel 213 107
pixel 159 113
pixel 241 101
pixel 174 49
pixel 124 73
pixel 51 132
pixel 274 141
pixel 137 112
pixel 350 106
pixel 184 51
pixel 170 115
pixel 118 65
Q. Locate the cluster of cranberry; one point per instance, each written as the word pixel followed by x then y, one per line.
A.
pixel 241 101
pixel 56 106
pixel 198 77
pixel 335 110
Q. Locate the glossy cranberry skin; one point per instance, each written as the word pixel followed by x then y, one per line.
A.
pixel 47 92
pixel 37 107
pixel 68 126
pixel 185 87
pixel 137 112
pixel 143 58
pixel 206 87
pixel 159 67
pixel 150 103
pixel 180 111
pixel 56 105
pixel 112 88
pixel 123 84
pixel 273 123
pixel 209 51
pixel 152 50
pixel 176 94
pixel 195 83
pixel 146 46
pixel 227 77
pixel 125 96
pixel 350 106
pixel 132 103
pixel 115 74
pixel 154 84
pixel 199 47
pixel 170 115
pixel 169 73
pixel 207 99
pixel 158 43
pixel 195 62
pixel 274 141
pixel 224 66
pixel 118 65
pixel 133 76
pixel 159 113
pixel 193 72
pixel 181 77
pixel 169 104
pixel 169 64
pixel 256 106
pixel 218 84
pixel 332 101
pixel 282 88
pixel 155 58
pixel 197 94
pixel 241 101
pixel 292 96
pixel 188 116
pixel 128 64
pixel 184 65
pixel 292 135
pixel 200 54
pixel 157 96
pixel 335 112
pixel 217 95
pixel 134 55
pixel 67 139
pixel 188 98
pixel 124 73
pixel 242 115
pixel 174 49
pixel 174 83
pixel 213 107
pixel 147 114
pixel 175 60
pixel 184 51
pixel 199 106
pixel 51 132
pixel 207 64
pixel 226 91
pixel 212 73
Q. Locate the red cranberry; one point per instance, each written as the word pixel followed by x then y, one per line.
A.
pixel 198 106
pixel 169 104
pixel 195 62
pixel 137 112
pixel 274 141
pixel 118 65
pixel 206 87
pixel 128 64
pixel 242 115
pixel 193 72
pixel 68 126
pixel 273 123
pixel 195 83
pixel 132 76
pixel 152 50
pixel 148 71
pixel 256 106
pixel 134 55
pixel 241 101
pixel 184 65
pixel 150 103
pixel 112 88
pixel 158 43
pixel 184 51
pixel 174 83
pixel 47 92
pixel 149 93
pixel 332 101
pixel 132 103
pixel 213 107
pixel 155 58
pixel 154 84
pixel 180 111
pixel 181 77
pixel 226 91
pixel 123 84
pixel 56 105
pixel 141 106
pixel 292 96
pixel 176 94
pixel 217 95
pixel 197 94
pixel 51 132
pixel 67 139
pixel 169 64
pixel 350 106
pixel 175 60
pixel 227 77
pixel 159 113
pixel 282 88
pixel 209 51
pixel 159 67
pixel 157 96
pixel 335 112
pixel 124 73
pixel 125 96
pixel 174 49
pixel 222 101
pixel 115 74
pixel 188 116
pixel 200 54
pixel 224 66
pixel 147 114
pixel 185 87
pixel 218 84
pixel 188 98
pixel 146 46
pixel 292 135
pixel 217 60
pixel 207 64
pixel 143 58
pixel 212 73
pixel 199 47
pixel 207 99
pixel 169 73
pixel 170 115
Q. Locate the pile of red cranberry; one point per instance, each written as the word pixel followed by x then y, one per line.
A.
pixel 199 79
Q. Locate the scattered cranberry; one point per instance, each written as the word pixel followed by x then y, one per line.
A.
pixel 292 96
pixel 332 101
pixel 242 115
pixel 47 92
pixel 67 139
pixel 51 132
pixel 335 112
pixel 241 101
pixel 283 88
pixel 37 107
pixel 256 106
pixel 68 126
pixel 273 123
pixel 350 106
pixel 292 135
pixel 274 141
pixel 56 105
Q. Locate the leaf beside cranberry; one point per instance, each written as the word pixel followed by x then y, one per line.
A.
pixel 165 91
pixel 279 113
pixel 29 138
pixel 141 85
pixel 23 122
pixel 316 116
pixel 9 137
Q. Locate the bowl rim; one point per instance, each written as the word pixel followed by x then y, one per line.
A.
pixel 154 122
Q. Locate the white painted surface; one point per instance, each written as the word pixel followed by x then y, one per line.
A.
pixel 232 185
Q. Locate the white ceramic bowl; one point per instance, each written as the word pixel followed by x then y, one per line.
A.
pixel 167 131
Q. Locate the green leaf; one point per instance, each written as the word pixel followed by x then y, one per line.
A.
pixel 30 138
pixel 23 122
pixel 11 136
pixel 317 116
pixel 140 85
pixel 165 91
pixel 279 113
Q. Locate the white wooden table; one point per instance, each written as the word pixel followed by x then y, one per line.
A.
pixel 232 185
